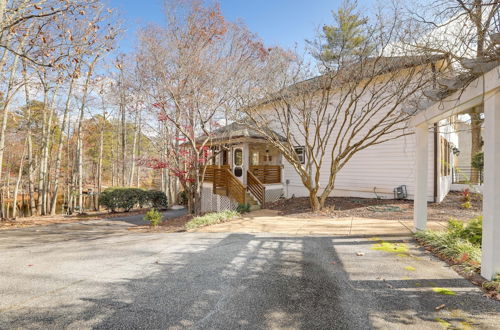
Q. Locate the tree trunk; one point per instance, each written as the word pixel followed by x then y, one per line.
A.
pixel 31 170
pixel 123 138
pixel 5 116
pixel 60 147
pixel 99 165
pixel 314 201
pixel 134 152
pixel 18 181
pixel 80 134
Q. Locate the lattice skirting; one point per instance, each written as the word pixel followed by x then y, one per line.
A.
pixel 272 195
pixel 211 202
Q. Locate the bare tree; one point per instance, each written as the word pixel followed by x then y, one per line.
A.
pixel 364 97
pixel 196 66
pixel 468 32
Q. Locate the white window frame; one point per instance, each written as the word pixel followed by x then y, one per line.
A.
pixel 301 153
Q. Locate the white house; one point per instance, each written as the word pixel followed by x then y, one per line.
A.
pixel 246 159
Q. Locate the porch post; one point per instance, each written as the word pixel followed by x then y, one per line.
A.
pixel 421 170
pixel 490 258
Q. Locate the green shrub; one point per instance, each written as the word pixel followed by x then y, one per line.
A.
pixel 183 198
pixel 127 198
pixel 153 217
pixel 471 231
pixel 452 247
pixel 243 208
pixel 109 199
pixel 157 199
pixel 478 161
pixel 142 196
pixel 461 241
pixel 211 218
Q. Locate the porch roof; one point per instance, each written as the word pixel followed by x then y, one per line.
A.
pixel 235 131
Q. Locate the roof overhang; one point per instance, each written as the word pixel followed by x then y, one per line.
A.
pixel 460 101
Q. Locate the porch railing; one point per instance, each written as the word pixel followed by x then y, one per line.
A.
pixel 466 174
pixel 256 188
pixel 267 173
pixel 210 170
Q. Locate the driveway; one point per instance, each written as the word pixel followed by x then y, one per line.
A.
pixel 98 274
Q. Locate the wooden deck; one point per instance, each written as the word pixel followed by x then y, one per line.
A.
pixel 226 184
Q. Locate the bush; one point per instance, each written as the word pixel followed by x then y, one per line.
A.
pixel 452 247
pixel 109 199
pixel 471 231
pixel 128 198
pixel 153 217
pixel 478 161
pixel 461 242
pixel 211 218
pixel 183 198
pixel 243 208
pixel 158 199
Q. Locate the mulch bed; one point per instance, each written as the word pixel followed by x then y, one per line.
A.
pixel 387 209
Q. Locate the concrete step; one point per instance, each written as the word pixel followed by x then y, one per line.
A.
pixel 254 207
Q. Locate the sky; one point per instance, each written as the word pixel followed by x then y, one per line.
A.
pixel 285 23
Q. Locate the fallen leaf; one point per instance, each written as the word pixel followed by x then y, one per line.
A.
pixel 30 265
pixel 360 254
pixel 440 307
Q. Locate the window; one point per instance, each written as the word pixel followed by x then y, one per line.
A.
pixel 238 157
pixel 445 157
pixel 301 153
pixel 255 158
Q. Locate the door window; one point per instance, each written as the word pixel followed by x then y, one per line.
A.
pixel 238 157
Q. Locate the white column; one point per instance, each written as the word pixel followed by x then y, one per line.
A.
pixel 421 172
pixel 246 162
pixel 490 259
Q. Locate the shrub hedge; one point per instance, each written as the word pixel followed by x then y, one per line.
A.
pixel 127 198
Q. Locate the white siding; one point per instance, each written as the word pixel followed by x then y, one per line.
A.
pixel 383 167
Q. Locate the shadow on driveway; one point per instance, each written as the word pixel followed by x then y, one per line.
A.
pixel 215 281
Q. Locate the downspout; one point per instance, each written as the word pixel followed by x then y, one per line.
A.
pixel 436 162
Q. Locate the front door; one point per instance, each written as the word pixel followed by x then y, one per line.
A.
pixel 238 162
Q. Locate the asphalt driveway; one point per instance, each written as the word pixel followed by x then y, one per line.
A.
pixel 98 274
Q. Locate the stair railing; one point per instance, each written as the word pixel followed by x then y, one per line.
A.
pixel 256 187
pixel 225 179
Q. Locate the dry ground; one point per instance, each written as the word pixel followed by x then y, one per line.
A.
pixel 387 209
pixel 49 219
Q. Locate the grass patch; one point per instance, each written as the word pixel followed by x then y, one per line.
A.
pixel 452 247
pixel 211 219
pixel 398 248
pixel 443 291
